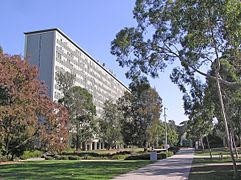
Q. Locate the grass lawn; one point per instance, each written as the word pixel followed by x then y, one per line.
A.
pixel 215 151
pixel 67 169
pixel 213 169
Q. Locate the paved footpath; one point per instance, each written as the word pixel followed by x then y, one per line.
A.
pixel 176 167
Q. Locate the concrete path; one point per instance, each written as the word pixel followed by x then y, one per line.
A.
pixel 176 167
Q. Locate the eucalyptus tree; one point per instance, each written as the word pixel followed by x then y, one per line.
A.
pixel 79 103
pixel 81 108
pixel 141 110
pixel 65 80
pixel 110 124
pixel 195 33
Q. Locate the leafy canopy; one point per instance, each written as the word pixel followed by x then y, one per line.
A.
pixel 27 114
pixel 196 33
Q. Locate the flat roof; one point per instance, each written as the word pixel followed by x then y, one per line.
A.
pixel 58 30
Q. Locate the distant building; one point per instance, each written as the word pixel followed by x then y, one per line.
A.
pixel 52 51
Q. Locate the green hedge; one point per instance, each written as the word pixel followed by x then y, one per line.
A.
pixel 31 154
pixel 74 157
pixel 3 158
pixel 174 149
pixel 145 156
pixel 119 156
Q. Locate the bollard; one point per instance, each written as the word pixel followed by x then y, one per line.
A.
pixel 153 156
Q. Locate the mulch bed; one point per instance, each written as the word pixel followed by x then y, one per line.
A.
pixel 10 162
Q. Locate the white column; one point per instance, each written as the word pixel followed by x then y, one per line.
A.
pixel 86 148
pixel 95 146
pixel 90 146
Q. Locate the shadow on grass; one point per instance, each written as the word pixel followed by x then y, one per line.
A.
pixel 68 169
pixel 213 172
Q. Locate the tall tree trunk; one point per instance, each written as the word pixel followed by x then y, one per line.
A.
pixel 201 141
pixel 224 142
pixel 239 138
pixel 234 145
pixel 210 150
pixel 226 125
pixel 77 136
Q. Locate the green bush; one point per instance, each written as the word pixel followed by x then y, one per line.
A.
pixel 60 157
pixel 31 154
pixel 74 158
pixel 3 158
pixel 123 152
pixel 119 156
pixel 89 157
pixel 94 154
pixel 145 156
pixel 174 149
pixel 161 155
pixel 48 157
pixel 170 153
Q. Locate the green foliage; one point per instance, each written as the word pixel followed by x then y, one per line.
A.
pixel 173 149
pixel 198 34
pixel 188 31
pixel 119 156
pixel 170 153
pixel 65 81
pixel 31 154
pixel 3 158
pixel 109 124
pixel 79 102
pixel 141 111
pixel 146 156
pixel 74 157
pixel 60 157
pixel 172 136
pixel 48 157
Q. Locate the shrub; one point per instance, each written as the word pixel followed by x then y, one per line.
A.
pixel 170 153
pixel 31 154
pixel 174 149
pixel 119 156
pixel 86 157
pixel 74 158
pixel 81 154
pixel 59 157
pixel 145 156
pixel 123 152
pixel 161 155
pixel 48 157
pixel 3 158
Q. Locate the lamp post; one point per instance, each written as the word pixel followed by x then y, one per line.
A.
pixel 165 119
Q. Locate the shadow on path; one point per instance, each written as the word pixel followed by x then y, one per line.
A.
pixel 173 168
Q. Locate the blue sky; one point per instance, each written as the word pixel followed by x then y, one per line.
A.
pixel 92 24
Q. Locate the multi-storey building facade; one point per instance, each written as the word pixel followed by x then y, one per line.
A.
pixel 52 51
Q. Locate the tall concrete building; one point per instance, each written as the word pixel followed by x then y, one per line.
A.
pixel 52 51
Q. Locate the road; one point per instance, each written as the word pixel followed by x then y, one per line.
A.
pixel 176 167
